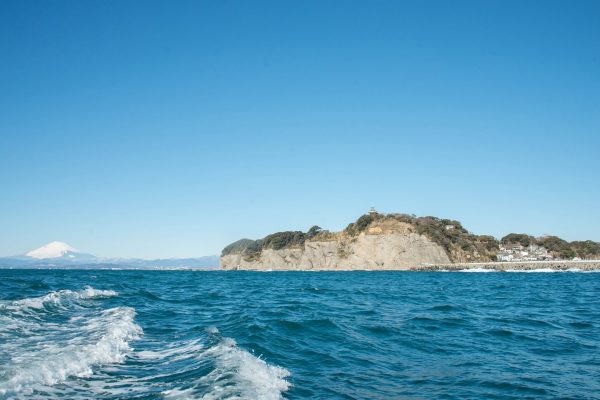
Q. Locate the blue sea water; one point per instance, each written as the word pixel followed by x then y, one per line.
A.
pixel 298 335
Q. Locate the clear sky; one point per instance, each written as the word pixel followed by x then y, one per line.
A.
pixel 169 129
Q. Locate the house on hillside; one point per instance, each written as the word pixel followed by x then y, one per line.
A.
pixel 516 252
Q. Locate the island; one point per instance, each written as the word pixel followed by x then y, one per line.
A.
pixel 377 241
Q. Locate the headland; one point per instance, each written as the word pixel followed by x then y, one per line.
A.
pixel 378 241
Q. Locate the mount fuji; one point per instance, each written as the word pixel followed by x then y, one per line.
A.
pixel 62 255
pixel 56 251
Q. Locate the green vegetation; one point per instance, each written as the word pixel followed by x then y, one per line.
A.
pixel 586 249
pixel 460 244
pixel 251 249
pixel 556 246
pixel 281 240
pixel 314 231
pixel 559 248
pixel 361 224
pixel 518 238
pixel 240 246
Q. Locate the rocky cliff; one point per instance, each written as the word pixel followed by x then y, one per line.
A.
pixel 374 241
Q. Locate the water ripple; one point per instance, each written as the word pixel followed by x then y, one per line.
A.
pixel 351 335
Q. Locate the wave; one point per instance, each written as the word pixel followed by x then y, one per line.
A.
pixel 252 377
pixel 49 339
pixel 54 340
pixel 237 374
pixel 70 351
pixel 56 298
pixel 171 353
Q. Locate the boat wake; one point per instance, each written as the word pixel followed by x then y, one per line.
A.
pixel 59 298
pixel 46 340
pixel 65 344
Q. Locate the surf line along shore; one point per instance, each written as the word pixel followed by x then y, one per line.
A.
pixel 530 266
pixel 561 265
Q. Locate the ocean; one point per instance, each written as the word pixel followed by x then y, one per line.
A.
pixel 97 334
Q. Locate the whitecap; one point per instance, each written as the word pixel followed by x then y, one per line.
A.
pixel 172 352
pixel 237 375
pixel 56 298
pixel 59 352
pixel 213 330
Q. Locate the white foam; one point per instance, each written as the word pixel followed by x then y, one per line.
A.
pixel 44 352
pixel 56 298
pixel 237 375
pixel 477 270
pixel 173 352
pixel 542 270
pixel 89 293
pixel 240 375
pixel 59 353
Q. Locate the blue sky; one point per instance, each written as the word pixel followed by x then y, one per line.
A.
pixel 169 129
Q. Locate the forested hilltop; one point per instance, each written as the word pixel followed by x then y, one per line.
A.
pixel 459 244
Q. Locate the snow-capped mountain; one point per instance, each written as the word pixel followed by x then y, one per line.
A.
pixel 51 250
pixel 58 251
pixel 60 254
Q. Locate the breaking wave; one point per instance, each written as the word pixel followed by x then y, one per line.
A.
pixel 56 298
pixel 43 351
pixel 101 340
pixel 64 344
pixel 239 374
pixel 236 374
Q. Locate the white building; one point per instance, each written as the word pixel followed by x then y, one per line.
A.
pixel 517 252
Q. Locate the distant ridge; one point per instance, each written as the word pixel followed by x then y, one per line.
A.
pixel 59 251
pixel 62 255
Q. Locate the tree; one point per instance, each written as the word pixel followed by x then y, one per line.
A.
pixel 313 231
pixel 518 238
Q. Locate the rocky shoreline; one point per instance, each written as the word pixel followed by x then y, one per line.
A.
pixel 560 265
pixel 541 266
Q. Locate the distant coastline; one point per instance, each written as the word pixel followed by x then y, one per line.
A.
pixel 59 255
pixel 100 267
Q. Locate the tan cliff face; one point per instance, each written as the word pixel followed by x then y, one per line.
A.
pixel 384 244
